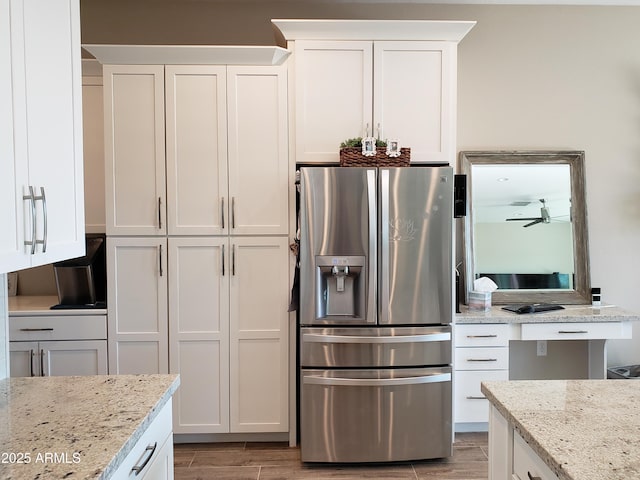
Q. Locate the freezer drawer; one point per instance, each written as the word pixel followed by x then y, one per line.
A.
pixel 375 347
pixel 375 415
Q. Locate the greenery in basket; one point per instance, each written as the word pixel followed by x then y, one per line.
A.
pixel 357 142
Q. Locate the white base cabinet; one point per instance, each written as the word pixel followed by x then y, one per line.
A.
pixel 229 333
pixel 52 345
pixel 137 300
pixel 41 170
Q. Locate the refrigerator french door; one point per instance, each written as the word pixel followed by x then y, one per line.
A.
pixel 376 283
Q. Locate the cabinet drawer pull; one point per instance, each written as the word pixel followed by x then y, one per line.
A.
pixel 482 359
pixel 223 259
pixel 42 362
pixel 159 213
pixel 482 336
pixel 49 329
pixel 148 453
pixel 573 331
pixel 233 212
pixel 473 397
pixel 32 353
pixel 531 477
pixel 32 200
pixel 222 214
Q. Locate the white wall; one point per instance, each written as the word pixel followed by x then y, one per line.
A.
pixel 530 77
pixel 4 328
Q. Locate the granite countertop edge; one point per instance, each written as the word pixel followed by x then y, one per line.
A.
pixel 571 314
pixel 139 431
pixel 546 457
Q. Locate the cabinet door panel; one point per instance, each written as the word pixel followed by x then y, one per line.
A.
pixel 51 32
pixel 196 118
pixel 137 299
pixel 414 97
pixel 22 359
pixel 199 333
pixel 333 96
pixel 258 335
pixel 134 149
pixel 258 158
pixel 13 169
pixel 74 357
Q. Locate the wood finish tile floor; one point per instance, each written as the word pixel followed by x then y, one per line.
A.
pixel 278 461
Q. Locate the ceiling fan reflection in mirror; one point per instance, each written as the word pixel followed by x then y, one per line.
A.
pixel 544 217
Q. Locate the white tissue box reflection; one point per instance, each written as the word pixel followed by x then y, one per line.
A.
pixel 479 301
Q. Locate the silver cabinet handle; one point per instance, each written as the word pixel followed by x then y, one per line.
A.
pixel 573 331
pixel 32 199
pixel 319 338
pixel 482 336
pixel 47 329
pixel 148 454
pixel 31 355
pixel 42 362
pixel 159 213
pixel 482 359
pixel 233 212
pixel 473 397
pixel 531 477
pixel 223 260
pixel 160 259
pixel 375 382
pixel 43 242
pixel 222 212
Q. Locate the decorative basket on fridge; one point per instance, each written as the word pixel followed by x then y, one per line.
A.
pixel 351 155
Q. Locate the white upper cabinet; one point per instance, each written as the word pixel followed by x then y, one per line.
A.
pixel 41 127
pixel 389 79
pixel 134 150
pixel 226 149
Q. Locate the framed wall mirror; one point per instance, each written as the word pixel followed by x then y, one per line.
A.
pixel 526 227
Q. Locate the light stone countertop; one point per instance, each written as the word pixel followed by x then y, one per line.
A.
pixel 38 305
pixel 582 429
pixel 90 423
pixel 571 313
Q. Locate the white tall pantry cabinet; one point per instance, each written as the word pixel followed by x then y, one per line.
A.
pixel 41 177
pixel 198 179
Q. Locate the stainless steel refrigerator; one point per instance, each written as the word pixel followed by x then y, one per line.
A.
pixel 376 306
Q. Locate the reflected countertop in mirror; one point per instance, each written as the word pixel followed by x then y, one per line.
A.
pixel 526 228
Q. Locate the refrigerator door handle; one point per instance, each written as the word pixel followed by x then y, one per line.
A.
pixel 430 337
pixel 384 246
pixel 373 255
pixel 376 382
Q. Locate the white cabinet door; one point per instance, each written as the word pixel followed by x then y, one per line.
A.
pixel 78 357
pixel 196 142
pixel 13 169
pixel 41 141
pixel 259 334
pixel 333 96
pixel 258 150
pixel 134 149
pixel 199 332
pixel 22 359
pixel 414 97
pixel 137 299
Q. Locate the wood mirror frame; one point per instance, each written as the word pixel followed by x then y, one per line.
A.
pixel 581 292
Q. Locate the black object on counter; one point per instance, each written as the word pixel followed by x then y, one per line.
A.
pixel 532 308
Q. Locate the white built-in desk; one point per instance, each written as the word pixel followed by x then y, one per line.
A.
pixel 556 345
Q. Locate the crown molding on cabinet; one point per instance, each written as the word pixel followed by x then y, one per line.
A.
pixel 188 54
pixel 313 29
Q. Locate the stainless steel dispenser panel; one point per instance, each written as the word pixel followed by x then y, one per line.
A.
pixel 375 347
pixel 337 221
pixel 416 244
pixel 371 415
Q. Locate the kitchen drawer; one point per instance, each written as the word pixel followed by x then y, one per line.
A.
pixel 482 335
pixel 527 464
pixel 575 331
pixel 481 358
pixel 470 403
pixel 148 448
pixel 58 327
